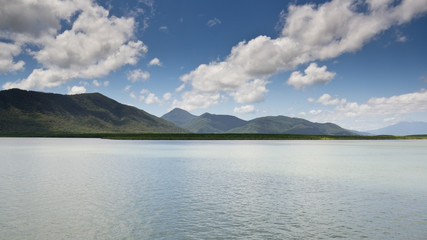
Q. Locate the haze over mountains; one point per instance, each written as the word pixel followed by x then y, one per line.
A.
pixel 402 129
pixel 212 123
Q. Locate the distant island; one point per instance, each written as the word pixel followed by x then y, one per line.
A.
pixel 37 114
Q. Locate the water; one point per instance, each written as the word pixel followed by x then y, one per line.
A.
pixel 106 189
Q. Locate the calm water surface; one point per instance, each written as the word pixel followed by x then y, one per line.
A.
pixel 105 189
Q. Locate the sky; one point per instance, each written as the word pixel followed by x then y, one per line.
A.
pixel 361 64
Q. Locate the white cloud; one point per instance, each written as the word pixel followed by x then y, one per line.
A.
pixel 127 88
pixel 180 88
pixel 7 52
pixel 244 109
pixel 327 100
pixel 41 78
pixel 106 83
pixel 163 28
pixel 250 92
pixel 313 75
pixel 96 83
pixel 151 98
pixel 315 112
pixel 167 96
pixel 194 100
pixel 96 44
pixel 148 97
pixel 155 62
pixel 132 95
pixel 39 18
pixel 76 90
pixel 138 75
pixel 311 32
pixel 400 104
pixel 213 22
pixel 384 107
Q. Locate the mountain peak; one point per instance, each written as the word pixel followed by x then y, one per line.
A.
pixel 178 116
pixel 178 110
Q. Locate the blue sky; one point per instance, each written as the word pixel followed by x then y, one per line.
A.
pixel 360 64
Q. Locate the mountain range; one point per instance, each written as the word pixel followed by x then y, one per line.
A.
pixel 37 112
pixel 212 123
pixel 31 112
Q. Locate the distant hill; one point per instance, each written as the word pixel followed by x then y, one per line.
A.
pixel 402 129
pixel 211 123
pixel 287 125
pixel 179 117
pixel 37 112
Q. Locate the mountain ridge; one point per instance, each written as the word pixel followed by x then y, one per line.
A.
pixel 24 111
pixel 213 123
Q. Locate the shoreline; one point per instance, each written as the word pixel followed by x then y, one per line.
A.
pixel 211 136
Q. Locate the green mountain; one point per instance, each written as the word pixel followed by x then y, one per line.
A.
pixel 179 117
pixel 210 123
pixel 36 112
pixel 287 125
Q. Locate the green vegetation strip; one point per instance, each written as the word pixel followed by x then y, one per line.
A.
pixel 219 136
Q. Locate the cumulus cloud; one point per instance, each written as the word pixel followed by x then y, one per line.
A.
pixel 399 104
pixel 148 97
pixel 138 75
pixel 312 75
pixel 250 92
pixel 193 100
pixel 327 100
pixel 375 107
pixel 39 18
pixel 96 44
pixel 151 98
pixel 7 53
pixel 76 90
pixel 310 32
pixel 155 62
pixel 244 109
pixel 213 22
